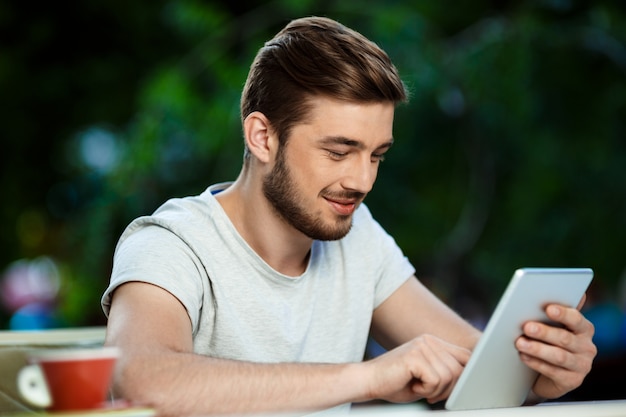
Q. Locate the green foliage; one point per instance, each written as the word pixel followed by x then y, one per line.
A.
pixel 510 152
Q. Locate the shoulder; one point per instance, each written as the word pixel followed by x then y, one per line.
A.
pixel 366 234
pixel 363 223
pixel 179 215
pixel 189 208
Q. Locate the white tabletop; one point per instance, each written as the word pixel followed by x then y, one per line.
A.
pixel 613 408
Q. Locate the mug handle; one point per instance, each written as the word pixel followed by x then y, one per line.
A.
pixel 31 384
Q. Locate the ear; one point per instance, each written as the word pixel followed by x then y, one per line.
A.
pixel 259 136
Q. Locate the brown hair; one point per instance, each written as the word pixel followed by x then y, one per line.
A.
pixel 316 56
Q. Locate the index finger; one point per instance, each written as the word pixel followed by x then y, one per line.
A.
pixel 459 353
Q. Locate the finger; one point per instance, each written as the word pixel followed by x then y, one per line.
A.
pixel 431 375
pixel 553 381
pixel 439 368
pixel 446 364
pixel 582 301
pixel 571 318
pixel 449 369
pixel 555 336
pixel 546 355
pixel 434 392
pixel 551 344
pixel 460 354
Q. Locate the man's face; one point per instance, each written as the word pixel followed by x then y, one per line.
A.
pixel 328 166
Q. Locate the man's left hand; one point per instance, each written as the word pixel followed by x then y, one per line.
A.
pixel 562 355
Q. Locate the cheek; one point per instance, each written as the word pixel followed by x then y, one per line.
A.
pixel 306 168
pixel 309 176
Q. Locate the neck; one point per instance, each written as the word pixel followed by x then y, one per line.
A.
pixel 281 246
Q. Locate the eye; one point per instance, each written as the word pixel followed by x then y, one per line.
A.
pixel 336 155
pixel 378 157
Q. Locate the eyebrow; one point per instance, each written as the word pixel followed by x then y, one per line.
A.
pixel 342 140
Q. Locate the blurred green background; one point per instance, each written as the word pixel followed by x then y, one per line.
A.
pixel 511 152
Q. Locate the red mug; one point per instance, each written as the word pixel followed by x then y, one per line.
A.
pixel 68 379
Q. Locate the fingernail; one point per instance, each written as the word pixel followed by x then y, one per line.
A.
pixel 532 328
pixel 555 311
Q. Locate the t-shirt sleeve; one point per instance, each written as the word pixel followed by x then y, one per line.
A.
pixel 155 255
pixel 392 268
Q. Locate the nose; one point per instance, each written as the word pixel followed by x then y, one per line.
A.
pixel 361 175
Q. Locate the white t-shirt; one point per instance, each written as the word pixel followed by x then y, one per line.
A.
pixel 241 308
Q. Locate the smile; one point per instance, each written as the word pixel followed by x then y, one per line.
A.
pixel 343 208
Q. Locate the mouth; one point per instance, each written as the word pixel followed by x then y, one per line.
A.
pixel 343 207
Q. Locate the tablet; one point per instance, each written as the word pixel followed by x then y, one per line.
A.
pixel 495 376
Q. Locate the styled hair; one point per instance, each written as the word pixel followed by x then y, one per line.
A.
pixel 316 56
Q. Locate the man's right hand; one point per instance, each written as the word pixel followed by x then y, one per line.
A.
pixel 424 368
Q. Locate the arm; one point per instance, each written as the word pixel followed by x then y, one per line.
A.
pixel 413 310
pixel 562 355
pixel 414 315
pixel 158 367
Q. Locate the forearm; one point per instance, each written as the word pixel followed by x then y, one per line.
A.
pixel 189 384
pixel 413 311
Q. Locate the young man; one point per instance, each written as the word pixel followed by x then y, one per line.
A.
pixel 259 295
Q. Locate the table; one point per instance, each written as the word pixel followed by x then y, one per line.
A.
pixel 609 408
